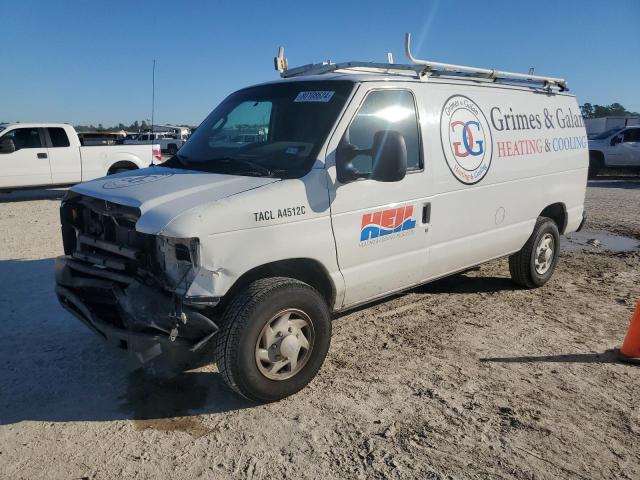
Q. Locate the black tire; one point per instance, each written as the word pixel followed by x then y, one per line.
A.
pixel 172 149
pixel 522 265
pixel 596 164
pixel 122 167
pixel 242 323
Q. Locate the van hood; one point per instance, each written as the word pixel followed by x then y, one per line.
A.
pixel 162 193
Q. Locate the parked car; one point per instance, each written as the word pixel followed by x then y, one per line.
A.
pixel 168 143
pixel 366 180
pixel 92 139
pixel 618 147
pixel 48 154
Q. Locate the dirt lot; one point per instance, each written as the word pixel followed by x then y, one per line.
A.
pixel 468 377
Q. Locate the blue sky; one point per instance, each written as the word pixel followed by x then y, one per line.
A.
pixel 90 62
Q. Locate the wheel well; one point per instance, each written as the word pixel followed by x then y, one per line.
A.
pixel 306 270
pixel 596 155
pixel 122 164
pixel 558 213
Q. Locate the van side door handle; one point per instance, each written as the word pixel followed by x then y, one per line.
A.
pixel 42 155
pixel 426 213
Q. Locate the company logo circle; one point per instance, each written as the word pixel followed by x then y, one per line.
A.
pixel 134 180
pixel 466 139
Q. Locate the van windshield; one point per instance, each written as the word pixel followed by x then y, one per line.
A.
pixel 269 130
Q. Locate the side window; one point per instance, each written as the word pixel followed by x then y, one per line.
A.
pixel 385 110
pixel 632 135
pixel 58 137
pixel 24 138
pixel 247 123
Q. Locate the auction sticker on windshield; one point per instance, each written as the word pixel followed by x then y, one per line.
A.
pixel 322 96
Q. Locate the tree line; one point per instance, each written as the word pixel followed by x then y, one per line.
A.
pixel 587 109
pixel 134 127
pixel 597 111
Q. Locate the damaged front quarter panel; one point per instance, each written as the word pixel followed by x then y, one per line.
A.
pixel 132 288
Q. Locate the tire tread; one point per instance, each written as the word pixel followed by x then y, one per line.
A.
pixel 235 319
pixel 520 262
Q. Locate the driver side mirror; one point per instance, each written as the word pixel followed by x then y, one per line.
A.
pixel 616 140
pixel 7 145
pixel 389 154
pixel 388 158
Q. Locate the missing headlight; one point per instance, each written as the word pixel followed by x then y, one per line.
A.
pixel 178 259
pixel 182 253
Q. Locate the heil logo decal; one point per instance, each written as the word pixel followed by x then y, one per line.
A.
pixel 466 139
pixel 386 222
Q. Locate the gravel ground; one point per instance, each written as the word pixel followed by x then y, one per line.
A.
pixel 468 377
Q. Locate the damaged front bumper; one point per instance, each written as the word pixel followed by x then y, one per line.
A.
pixel 155 327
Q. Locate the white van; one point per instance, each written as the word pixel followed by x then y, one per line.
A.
pixel 367 179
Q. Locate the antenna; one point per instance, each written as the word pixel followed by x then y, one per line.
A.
pixel 153 103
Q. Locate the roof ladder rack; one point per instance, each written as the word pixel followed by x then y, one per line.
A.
pixel 417 67
pixel 450 69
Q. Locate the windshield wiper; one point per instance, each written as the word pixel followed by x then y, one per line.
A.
pixel 220 163
pixel 181 159
pixel 232 161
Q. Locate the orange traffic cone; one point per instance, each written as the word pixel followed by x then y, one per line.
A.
pixel 630 351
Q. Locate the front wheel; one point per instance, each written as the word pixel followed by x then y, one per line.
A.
pixel 534 264
pixel 274 338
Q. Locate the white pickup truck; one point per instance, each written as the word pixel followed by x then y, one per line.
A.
pixel 617 148
pixel 39 154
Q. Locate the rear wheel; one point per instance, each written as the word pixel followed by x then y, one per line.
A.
pixel 121 167
pixel 172 149
pixel 274 338
pixel 596 164
pixel 535 263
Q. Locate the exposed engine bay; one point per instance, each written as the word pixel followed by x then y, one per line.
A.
pixel 130 287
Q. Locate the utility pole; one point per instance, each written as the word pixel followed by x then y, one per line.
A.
pixel 153 104
pixel 153 93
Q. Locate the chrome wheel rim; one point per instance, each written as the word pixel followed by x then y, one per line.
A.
pixel 544 254
pixel 284 344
